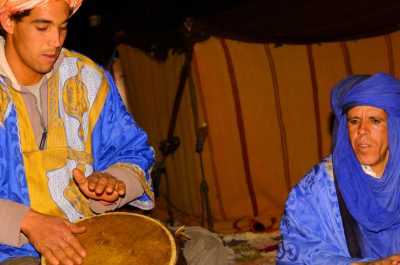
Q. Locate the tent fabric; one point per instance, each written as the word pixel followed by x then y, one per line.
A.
pixel 268 112
pixel 155 26
pixel 305 21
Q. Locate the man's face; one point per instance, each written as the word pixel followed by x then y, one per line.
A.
pixel 36 40
pixel 368 136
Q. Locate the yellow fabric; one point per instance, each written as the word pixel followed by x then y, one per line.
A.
pixel 34 162
pixel 39 162
pixel 283 94
pixel 4 101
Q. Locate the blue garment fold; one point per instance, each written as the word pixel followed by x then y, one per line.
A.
pixel 117 138
pixel 311 228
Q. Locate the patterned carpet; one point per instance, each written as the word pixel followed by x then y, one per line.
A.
pixel 252 242
pixel 253 248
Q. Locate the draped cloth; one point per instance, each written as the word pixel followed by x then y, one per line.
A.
pixel 373 203
pixel 311 229
pixel 14 6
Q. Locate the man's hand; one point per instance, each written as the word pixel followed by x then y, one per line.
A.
pixel 99 186
pixel 54 238
pixel 391 260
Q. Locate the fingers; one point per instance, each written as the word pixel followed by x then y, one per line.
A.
pixel 395 259
pixel 106 183
pixel 101 182
pixel 391 260
pixel 76 229
pixel 48 254
pixel 114 185
pixel 121 188
pixel 64 251
pixel 71 246
pixel 79 177
pixel 54 238
pixel 99 185
pixel 68 249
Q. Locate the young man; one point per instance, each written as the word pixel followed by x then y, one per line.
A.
pixel 346 209
pixel 68 146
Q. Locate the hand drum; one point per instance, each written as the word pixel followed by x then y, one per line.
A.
pixel 126 238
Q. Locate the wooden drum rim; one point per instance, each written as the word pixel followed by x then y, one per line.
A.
pixel 173 258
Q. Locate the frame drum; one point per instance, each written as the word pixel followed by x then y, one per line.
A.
pixel 126 238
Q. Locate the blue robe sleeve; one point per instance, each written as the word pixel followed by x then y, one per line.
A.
pixel 118 141
pixel 311 227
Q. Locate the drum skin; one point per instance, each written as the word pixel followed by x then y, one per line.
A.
pixel 121 238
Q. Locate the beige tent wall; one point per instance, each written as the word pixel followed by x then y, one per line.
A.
pixel 267 109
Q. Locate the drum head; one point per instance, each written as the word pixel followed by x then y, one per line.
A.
pixel 126 238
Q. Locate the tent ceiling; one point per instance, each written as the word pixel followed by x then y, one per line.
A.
pixel 155 25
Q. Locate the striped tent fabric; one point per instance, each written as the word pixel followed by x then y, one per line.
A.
pixel 267 110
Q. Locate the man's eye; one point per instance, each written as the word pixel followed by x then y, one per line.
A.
pixel 353 121
pixel 376 121
pixel 41 29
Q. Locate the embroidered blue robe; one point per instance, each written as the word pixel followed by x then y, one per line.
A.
pixel 88 127
pixel 311 227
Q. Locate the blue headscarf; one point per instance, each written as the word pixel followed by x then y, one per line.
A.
pixel 373 203
pixel 337 95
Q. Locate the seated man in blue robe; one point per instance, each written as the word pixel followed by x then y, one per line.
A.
pixel 69 149
pixel 346 210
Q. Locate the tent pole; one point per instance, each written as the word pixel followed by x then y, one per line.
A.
pixel 169 145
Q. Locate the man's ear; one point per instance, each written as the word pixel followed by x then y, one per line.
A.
pixel 7 23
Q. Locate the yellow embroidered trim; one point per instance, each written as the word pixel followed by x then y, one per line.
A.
pixel 77 199
pixel 85 59
pixel 79 156
pixel 5 99
pixel 75 98
pixel 56 132
pixel 100 99
pixel 139 174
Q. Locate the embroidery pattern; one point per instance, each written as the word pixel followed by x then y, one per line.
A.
pixel 136 171
pixel 75 99
pixel 5 100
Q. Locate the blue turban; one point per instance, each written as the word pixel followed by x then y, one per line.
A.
pixel 373 202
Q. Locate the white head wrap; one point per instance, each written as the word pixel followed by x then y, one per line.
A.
pixel 14 6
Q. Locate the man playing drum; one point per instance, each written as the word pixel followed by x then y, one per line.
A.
pixel 68 146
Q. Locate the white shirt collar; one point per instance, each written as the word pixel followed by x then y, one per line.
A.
pixel 368 170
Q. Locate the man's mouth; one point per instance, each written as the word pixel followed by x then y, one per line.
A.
pixel 50 56
pixel 363 146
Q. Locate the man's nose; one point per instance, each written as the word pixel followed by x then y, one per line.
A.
pixel 363 128
pixel 55 39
